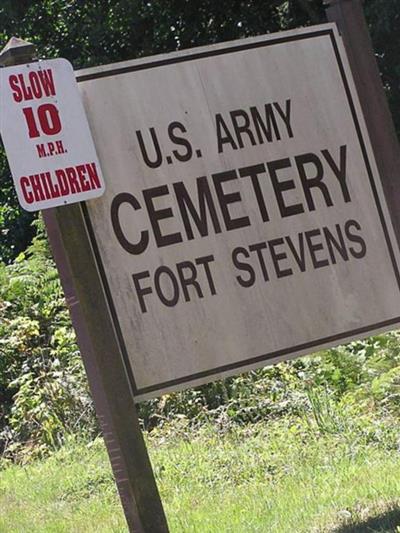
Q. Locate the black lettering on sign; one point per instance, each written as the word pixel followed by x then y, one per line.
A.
pixel 285 115
pixel 277 257
pixel 225 199
pixel 157 159
pixel 186 277
pixel 265 129
pixel 205 261
pixel 161 293
pixel 131 248
pixel 315 247
pixel 335 243
pixel 199 216
pixel 314 180
pixel 298 253
pixel 240 265
pixel 353 237
pixel 141 291
pixel 258 248
pixel 241 125
pixel 180 141
pixel 253 127
pixel 160 214
pixel 223 134
pixel 189 279
pixel 253 172
pixel 281 186
pixel 339 171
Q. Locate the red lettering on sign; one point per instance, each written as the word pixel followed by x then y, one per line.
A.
pixel 39 84
pixel 30 121
pixel 43 178
pixel 28 196
pixel 93 176
pixel 41 150
pixel 46 79
pixel 51 147
pixel 60 147
pixel 54 188
pixel 16 90
pixel 81 170
pixel 35 85
pixel 49 120
pixel 37 188
pixel 73 179
pixel 26 90
pixel 64 182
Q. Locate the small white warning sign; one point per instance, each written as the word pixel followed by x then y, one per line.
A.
pixel 46 135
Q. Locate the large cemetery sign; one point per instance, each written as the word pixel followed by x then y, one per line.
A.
pixel 244 220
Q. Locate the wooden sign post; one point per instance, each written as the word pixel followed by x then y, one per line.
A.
pixel 350 19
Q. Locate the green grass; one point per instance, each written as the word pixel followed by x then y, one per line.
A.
pixel 275 478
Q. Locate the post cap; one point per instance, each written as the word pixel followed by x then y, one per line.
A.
pixel 16 52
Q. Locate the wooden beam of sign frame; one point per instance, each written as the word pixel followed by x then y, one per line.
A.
pixel 350 20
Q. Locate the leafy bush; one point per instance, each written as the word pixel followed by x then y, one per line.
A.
pixel 359 380
pixel 258 395
pixel 352 389
pixel 43 390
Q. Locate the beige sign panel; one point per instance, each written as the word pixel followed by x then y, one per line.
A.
pixel 244 221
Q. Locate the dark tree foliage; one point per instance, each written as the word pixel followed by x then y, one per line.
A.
pixel 16 231
pixel 104 31
pixel 91 33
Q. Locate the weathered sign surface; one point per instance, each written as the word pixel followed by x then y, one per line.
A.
pixel 46 135
pixel 244 220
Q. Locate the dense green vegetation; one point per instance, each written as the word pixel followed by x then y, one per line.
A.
pixel 300 446
pixel 43 389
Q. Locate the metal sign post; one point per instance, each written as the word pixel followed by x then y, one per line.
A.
pixel 104 365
